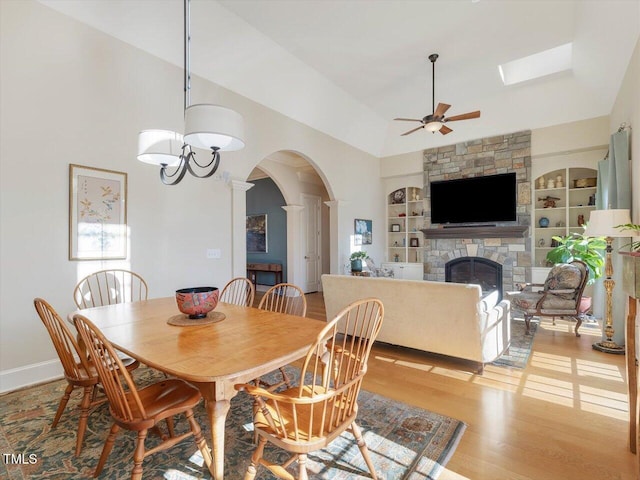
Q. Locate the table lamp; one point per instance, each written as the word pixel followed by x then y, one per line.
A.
pixel 603 223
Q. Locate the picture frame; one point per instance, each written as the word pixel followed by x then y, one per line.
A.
pixel 257 233
pixel 363 230
pixel 395 227
pixel 413 242
pixel 97 213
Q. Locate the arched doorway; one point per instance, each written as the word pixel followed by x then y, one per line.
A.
pixel 301 218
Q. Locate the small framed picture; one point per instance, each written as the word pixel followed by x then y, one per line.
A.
pixel 413 242
pixel 395 227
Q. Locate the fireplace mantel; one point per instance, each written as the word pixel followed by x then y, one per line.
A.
pixel 514 231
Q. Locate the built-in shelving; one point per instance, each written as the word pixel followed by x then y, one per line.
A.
pixel 565 198
pixel 405 218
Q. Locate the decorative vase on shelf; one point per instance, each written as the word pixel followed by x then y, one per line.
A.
pixel 356 265
pixel 551 183
pixel 559 182
pixel 541 183
pixel 543 222
pixel 580 220
pixel 396 258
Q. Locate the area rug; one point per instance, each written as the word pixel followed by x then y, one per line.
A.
pixel 405 442
pixel 520 348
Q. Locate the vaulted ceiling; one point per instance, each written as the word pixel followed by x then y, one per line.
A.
pixel 348 67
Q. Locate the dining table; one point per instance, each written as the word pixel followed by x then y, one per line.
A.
pixel 242 344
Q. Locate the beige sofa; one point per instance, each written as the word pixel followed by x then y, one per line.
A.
pixel 447 318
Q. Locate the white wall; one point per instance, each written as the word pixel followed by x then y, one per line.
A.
pixel 70 94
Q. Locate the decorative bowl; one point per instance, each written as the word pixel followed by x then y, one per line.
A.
pixel 198 301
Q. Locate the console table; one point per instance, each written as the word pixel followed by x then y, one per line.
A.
pixel 631 286
pixel 254 268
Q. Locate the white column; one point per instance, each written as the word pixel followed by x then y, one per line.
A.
pixel 295 248
pixel 239 227
pixel 336 250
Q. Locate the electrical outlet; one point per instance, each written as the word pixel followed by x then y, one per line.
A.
pixel 214 253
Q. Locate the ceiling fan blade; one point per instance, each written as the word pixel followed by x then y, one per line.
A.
pixel 411 131
pixel 409 119
pixel 464 116
pixel 441 109
pixel 444 130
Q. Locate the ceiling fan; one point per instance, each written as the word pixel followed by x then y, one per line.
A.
pixel 436 121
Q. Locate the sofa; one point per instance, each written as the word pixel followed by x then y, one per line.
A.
pixel 451 319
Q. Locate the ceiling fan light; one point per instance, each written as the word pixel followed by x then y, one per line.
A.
pixel 208 126
pixel 434 126
pixel 160 147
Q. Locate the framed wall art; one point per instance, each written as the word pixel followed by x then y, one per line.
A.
pixel 257 233
pixel 363 231
pixel 97 214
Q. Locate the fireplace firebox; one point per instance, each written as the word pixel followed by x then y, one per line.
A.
pixel 477 270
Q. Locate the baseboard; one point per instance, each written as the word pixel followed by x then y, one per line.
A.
pixel 29 375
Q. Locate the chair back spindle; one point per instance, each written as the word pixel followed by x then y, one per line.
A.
pixel 108 287
pixel 284 298
pixel 239 291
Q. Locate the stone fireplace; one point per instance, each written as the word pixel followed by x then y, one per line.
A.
pixel 506 244
pixel 477 270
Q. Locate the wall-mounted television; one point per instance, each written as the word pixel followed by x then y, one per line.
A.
pixel 491 198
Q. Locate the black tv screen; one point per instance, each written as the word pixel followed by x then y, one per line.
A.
pixel 491 198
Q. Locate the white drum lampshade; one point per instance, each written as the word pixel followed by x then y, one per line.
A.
pixel 207 126
pixel 160 147
pixel 603 223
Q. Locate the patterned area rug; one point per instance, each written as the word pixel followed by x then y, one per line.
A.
pixel 405 442
pixel 518 353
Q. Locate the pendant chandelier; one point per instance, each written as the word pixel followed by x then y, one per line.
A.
pixel 211 127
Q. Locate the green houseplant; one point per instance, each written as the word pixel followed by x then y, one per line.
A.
pixel 356 260
pixel 577 246
pixel 634 246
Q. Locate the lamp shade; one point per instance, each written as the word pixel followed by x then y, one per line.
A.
pixel 207 126
pixel 603 223
pixel 434 126
pixel 160 147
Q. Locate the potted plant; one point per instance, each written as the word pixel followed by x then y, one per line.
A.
pixel 577 246
pixel 356 260
pixel 633 246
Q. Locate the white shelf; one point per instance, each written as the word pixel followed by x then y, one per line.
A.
pixel 410 226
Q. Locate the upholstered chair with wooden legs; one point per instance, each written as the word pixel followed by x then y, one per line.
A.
pixel 309 416
pixel 558 296
pixel 239 291
pixel 78 370
pixel 143 409
pixel 283 298
pixel 108 287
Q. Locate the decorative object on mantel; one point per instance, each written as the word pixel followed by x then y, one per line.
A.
pixel 606 223
pixel 207 126
pixel 435 122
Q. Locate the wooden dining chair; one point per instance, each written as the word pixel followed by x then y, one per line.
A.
pixel 283 298
pixel 108 287
pixel 78 370
pixel 239 291
pixel 142 409
pixel 309 416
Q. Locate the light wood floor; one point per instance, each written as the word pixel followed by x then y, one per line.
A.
pixel 562 417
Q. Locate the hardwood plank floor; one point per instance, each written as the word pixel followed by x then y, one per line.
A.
pixel 562 417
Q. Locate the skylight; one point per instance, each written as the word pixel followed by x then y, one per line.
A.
pixel 538 65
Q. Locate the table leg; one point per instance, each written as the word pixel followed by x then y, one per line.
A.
pixel 217 412
pixel 632 375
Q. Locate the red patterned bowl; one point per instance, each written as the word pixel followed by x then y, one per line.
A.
pixel 197 302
